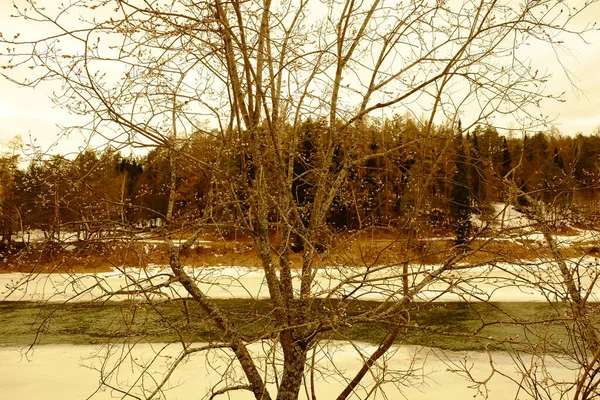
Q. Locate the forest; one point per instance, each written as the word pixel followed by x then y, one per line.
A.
pixel 462 172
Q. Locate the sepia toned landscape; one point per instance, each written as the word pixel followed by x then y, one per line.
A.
pixel 299 199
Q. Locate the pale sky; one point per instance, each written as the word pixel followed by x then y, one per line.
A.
pixel 31 114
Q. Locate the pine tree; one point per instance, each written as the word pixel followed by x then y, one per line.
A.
pixel 460 205
pixel 506 159
pixel 522 200
pixel 558 160
pixel 476 171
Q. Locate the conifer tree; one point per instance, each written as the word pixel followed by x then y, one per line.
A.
pixel 460 204
pixel 476 171
pixel 506 159
pixel 558 160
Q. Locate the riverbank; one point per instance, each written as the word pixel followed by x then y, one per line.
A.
pixel 374 247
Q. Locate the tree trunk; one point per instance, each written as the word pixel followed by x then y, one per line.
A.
pixel 293 369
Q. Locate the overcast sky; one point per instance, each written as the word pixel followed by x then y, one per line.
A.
pixel 31 113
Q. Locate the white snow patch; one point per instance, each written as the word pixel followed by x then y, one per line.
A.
pixel 50 369
pixel 532 281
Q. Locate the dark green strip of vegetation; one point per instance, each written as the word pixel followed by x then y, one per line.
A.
pixel 453 326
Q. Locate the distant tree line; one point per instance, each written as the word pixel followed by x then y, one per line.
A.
pixel 444 179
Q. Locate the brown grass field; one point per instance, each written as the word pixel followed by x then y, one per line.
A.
pixel 370 248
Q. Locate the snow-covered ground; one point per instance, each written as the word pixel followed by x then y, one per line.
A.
pixel 536 281
pixel 507 217
pixel 510 224
pixel 70 372
pixel 38 236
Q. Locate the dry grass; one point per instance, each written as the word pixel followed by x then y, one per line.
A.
pixel 353 250
pixel 386 251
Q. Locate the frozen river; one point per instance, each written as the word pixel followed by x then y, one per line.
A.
pixel 69 373
pixel 536 281
pixel 72 372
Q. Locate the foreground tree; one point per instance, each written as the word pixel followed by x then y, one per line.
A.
pixel 148 73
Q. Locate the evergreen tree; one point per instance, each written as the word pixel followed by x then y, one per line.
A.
pixel 558 160
pixel 476 171
pixel 521 200
pixel 460 204
pixel 506 159
pixel 304 164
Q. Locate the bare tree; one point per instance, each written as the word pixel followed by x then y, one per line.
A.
pixel 152 74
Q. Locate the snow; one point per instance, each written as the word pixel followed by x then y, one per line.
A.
pixel 511 225
pixel 499 282
pixel 49 370
pixel 508 217
pixel 38 236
